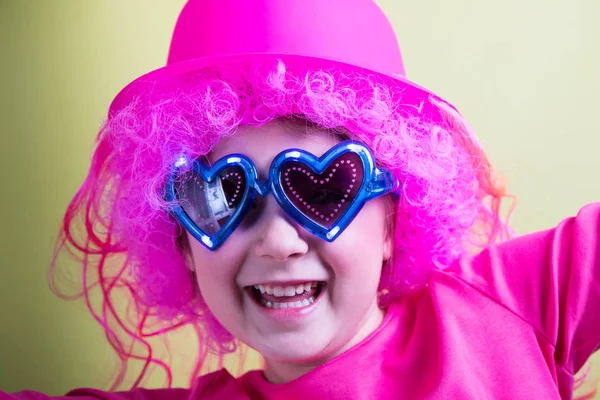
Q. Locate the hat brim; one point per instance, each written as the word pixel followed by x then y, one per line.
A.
pixel 157 84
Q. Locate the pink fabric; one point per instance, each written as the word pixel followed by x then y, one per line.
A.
pixel 513 323
pixel 351 31
pixel 353 36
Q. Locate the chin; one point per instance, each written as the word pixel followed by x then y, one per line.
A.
pixel 296 350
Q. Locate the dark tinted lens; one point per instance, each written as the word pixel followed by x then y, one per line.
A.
pixel 210 205
pixel 323 198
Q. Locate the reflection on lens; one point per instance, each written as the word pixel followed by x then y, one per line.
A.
pixel 210 204
pixel 323 198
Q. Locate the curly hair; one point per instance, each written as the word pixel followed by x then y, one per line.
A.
pixel 119 228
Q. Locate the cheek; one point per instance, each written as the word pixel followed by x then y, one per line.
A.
pixel 366 233
pixel 215 270
pixel 358 252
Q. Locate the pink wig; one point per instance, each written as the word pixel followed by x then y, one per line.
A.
pixel 128 245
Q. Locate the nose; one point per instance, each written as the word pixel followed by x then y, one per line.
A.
pixel 280 238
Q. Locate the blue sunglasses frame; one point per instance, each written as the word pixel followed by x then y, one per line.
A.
pixel 376 182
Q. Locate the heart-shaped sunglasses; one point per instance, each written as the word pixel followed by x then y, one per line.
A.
pixel 323 194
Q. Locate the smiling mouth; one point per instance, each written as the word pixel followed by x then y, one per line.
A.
pixel 292 296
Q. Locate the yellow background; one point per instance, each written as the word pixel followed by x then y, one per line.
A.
pixel 523 72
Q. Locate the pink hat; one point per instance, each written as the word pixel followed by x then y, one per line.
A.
pixel 348 35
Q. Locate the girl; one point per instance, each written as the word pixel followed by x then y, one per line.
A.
pixel 287 188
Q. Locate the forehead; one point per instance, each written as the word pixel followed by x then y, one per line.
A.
pixel 262 144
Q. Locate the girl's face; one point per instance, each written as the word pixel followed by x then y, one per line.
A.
pixel 275 254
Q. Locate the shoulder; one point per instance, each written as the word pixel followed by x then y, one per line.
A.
pixel 550 279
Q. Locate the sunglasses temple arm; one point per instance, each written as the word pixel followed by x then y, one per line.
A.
pixel 383 182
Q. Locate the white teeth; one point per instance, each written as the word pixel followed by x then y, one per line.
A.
pixel 292 304
pixel 288 291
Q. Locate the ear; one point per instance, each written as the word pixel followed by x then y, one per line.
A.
pixel 184 246
pixel 189 262
pixel 390 227
pixel 388 244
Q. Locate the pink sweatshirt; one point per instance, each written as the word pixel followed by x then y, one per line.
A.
pixel 515 322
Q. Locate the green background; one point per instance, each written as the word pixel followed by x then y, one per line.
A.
pixel 524 73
